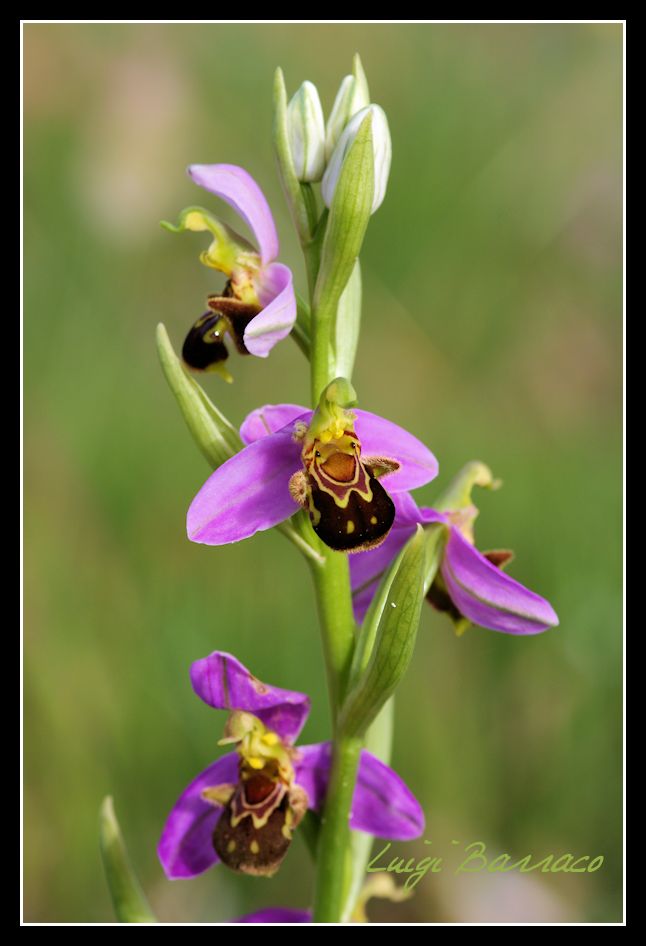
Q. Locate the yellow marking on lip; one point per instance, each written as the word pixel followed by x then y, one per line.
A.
pixel 373 520
pixel 349 527
pixel 254 847
pixel 231 846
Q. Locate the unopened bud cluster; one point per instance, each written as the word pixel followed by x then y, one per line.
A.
pixel 318 149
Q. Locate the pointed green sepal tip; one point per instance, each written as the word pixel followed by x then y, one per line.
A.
pixel 457 494
pixel 129 900
pixel 360 77
pixel 387 639
pixel 216 437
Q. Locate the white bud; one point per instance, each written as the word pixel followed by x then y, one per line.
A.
pixel 306 131
pixel 381 148
pixel 351 98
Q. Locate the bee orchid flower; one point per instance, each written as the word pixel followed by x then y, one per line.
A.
pixel 330 461
pixel 257 307
pixel 470 586
pixel 243 808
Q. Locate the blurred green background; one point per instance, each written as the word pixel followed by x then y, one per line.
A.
pixel 492 330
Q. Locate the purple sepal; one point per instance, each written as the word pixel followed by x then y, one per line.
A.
pixel 237 187
pixel 272 281
pixel 247 494
pixel 480 591
pixel 186 845
pixel 223 682
pixel 383 804
pixel 270 419
pixel 487 596
pixel 275 322
pixel 367 569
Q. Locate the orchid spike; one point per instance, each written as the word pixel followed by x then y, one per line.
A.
pixel 256 489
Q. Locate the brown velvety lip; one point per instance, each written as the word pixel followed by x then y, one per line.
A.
pixel 339 467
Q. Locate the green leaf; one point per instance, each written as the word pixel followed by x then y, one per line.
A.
pixel 129 901
pixel 360 77
pixel 215 436
pixel 388 634
pixel 347 223
pixel 347 323
pixel 301 332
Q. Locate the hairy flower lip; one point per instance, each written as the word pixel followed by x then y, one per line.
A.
pixel 479 590
pixel 272 280
pixel 383 805
pixel 250 492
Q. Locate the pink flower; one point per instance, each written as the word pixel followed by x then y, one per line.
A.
pixel 257 307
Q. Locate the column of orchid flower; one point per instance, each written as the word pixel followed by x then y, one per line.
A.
pixel 373 553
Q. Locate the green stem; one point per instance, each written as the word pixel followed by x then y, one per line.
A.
pixel 333 865
pixel 333 597
pixel 320 351
pixel 378 740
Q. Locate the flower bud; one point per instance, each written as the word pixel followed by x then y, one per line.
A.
pixel 381 147
pixel 350 99
pixel 306 131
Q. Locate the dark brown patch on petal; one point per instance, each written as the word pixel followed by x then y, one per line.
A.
pixel 250 850
pixel 257 788
pixel 360 525
pixel 237 314
pixel 204 345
